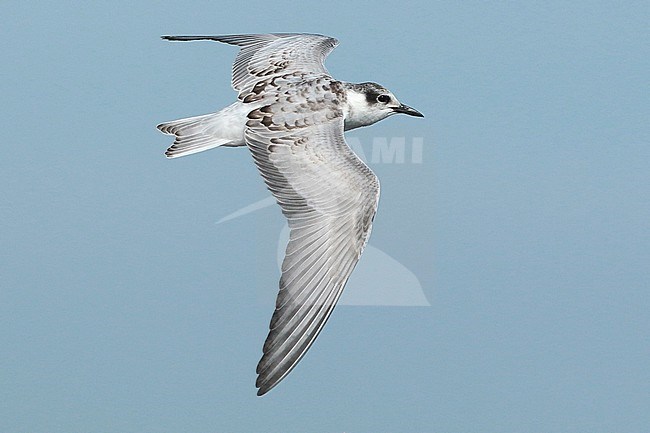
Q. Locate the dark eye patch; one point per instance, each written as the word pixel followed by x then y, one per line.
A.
pixel 384 99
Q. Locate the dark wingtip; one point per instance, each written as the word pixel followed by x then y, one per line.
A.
pixel 184 38
pixel 193 38
pixel 263 388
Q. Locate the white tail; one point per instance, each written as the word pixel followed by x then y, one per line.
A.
pixel 194 134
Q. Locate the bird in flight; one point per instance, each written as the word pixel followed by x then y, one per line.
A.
pixel 291 114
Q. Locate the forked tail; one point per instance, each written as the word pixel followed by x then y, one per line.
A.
pixel 194 134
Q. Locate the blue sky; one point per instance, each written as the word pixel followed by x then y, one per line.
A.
pixel 125 307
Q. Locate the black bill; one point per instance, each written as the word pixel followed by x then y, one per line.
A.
pixel 405 109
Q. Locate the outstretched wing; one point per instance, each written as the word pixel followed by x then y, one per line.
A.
pixel 329 197
pixel 267 56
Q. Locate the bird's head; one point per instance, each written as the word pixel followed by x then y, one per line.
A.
pixel 368 103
